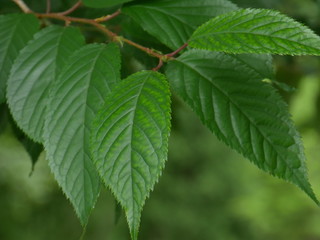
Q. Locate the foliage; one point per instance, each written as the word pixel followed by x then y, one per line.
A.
pixel 68 96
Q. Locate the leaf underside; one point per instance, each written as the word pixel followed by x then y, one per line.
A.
pixel 33 73
pixel 173 22
pixel 130 140
pixel 15 32
pixel 76 96
pixel 256 31
pixel 244 112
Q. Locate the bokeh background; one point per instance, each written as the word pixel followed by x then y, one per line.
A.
pixel 207 191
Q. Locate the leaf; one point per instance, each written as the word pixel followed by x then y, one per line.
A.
pixel 33 73
pixel 174 21
pixel 129 140
pixel 244 112
pixel 75 98
pixel 103 3
pixel 15 32
pixel 32 148
pixel 256 31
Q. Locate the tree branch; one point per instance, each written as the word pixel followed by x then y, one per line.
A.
pixel 22 6
pixel 72 9
pixel 108 17
pixel 48 6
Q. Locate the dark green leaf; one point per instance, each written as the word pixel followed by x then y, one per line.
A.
pixel 76 96
pixel 244 112
pixel 173 21
pixel 130 140
pixel 33 73
pixel 33 149
pixel 256 31
pixel 15 32
pixel 103 3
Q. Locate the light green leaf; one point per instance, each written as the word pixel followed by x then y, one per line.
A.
pixel 33 73
pixel 174 21
pixel 244 112
pixel 103 3
pixel 15 32
pixel 256 31
pixel 130 140
pixel 75 98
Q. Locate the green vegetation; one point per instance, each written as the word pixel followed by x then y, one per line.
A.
pixel 93 94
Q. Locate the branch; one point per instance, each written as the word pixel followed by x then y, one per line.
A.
pixel 108 17
pixel 113 36
pixel 72 9
pixel 48 6
pixel 177 51
pixel 22 6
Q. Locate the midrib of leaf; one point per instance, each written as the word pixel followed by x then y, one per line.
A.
pixel 248 118
pixel 84 125
pixel 131 136
pixel 256 34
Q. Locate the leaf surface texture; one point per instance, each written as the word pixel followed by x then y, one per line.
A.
pixel 244 112
pixel 130 140
pixel 173 21
pixel 76 96
pixel 15 32
pixel 256 31
pixel 33 73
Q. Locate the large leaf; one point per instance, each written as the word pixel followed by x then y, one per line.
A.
pixel 75 98
pixel 256 31
pixel 15 32
pixel 173 21
pixel 33 73
pixel 244 112
pixel 130 140
pixel 103 3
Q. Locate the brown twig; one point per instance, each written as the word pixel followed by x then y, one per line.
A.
pixel 72 9
pixel 108 17
pixel 48 10
pixel 169 56
pixel 159 66
pixel 177 51
pixel 23 6
pixel 113 36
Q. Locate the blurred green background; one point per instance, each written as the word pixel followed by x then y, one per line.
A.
pixel 207 191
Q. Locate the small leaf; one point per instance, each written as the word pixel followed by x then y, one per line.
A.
pixel 173 22
pixel 15 32
pixel 244 112
pixel 103 3
pixel 256 31
pixel 33 73
pixel 129 140
pixel 76 96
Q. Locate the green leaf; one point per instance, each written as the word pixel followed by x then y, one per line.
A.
pixel 76 96
pixel 15 32
pixel 174 21
pixel 33 73
pixel 32 148
pixel 244 112
pixel 256 31
pixel 129 140
pixel 103 3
